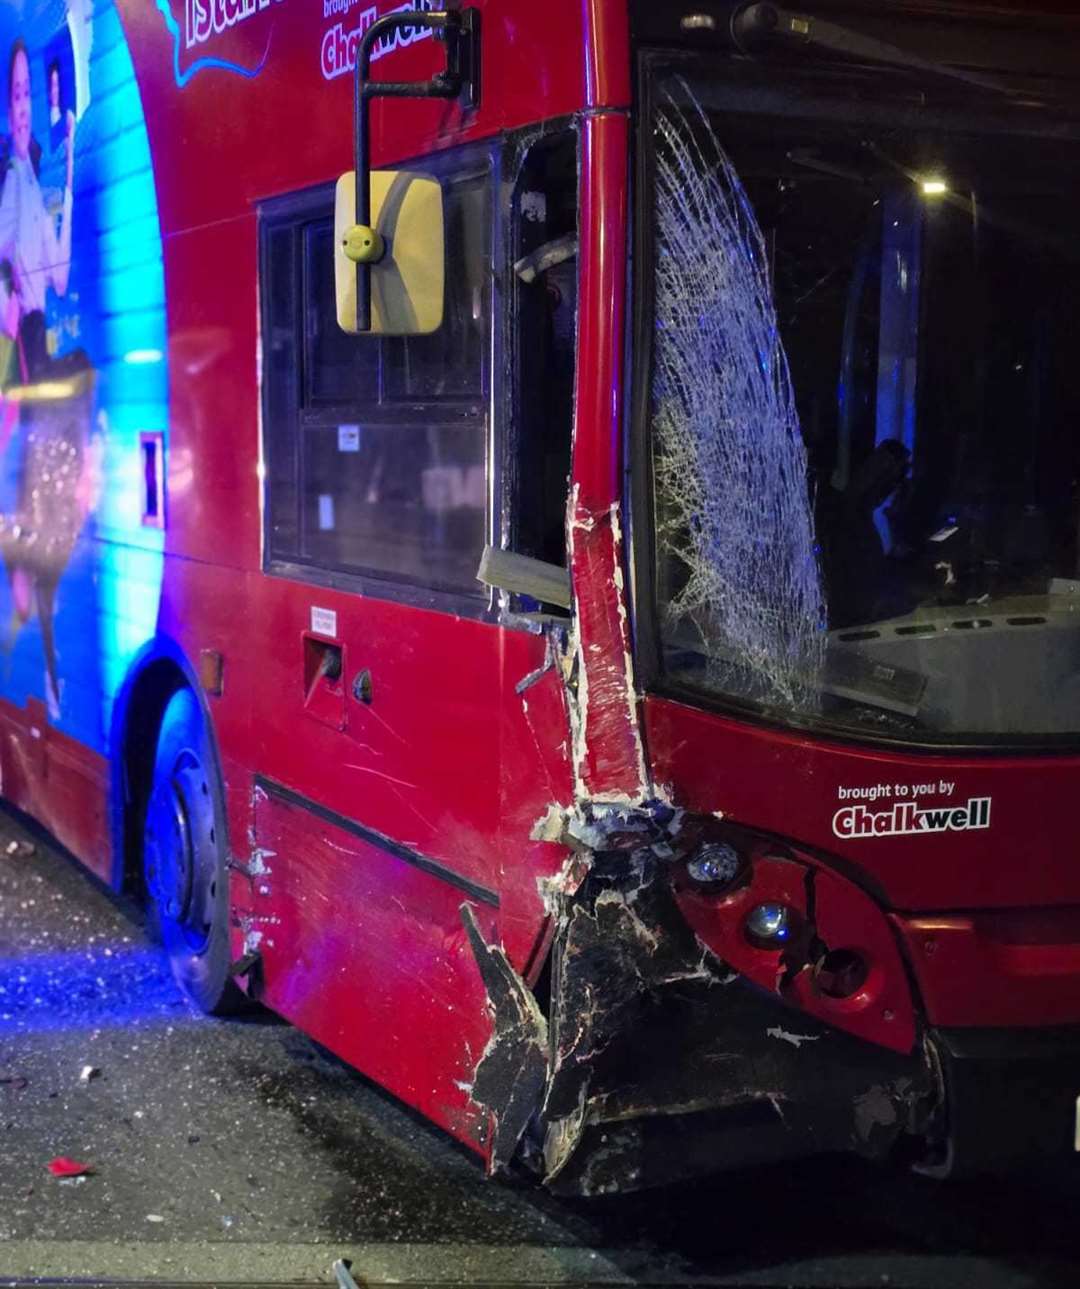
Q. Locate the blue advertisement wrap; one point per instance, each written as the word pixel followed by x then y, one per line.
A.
pixel 83 379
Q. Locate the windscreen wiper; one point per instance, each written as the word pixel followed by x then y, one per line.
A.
pixel 756 26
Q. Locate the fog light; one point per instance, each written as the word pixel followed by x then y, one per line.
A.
pixel 716 864
pixel 768 924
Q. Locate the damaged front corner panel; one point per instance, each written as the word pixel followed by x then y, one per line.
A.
pixel 608 947
pixel 653 1063
pixel 617 937
pixel 597 827
pixel 512 1072
pixel 620 943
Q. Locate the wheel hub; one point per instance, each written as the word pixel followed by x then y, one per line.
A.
pixel 181 855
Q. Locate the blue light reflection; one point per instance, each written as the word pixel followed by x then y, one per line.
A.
pixel 96 988
pixel 103 588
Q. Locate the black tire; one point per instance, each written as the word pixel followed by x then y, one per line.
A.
pixel 184 852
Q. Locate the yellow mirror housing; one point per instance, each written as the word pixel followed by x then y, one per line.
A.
pixel 404 251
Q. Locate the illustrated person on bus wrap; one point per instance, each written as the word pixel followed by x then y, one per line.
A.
pixel 58 120
pixel 51 161
pixel 47 399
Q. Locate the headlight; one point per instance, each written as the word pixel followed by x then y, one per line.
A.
pixel 715 864
pixel 768 925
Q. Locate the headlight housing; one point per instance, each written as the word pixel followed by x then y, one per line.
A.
pixel 716 864
pixel 768 925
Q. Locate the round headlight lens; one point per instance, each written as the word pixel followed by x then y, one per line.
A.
pixel 715 864
pixel 769 923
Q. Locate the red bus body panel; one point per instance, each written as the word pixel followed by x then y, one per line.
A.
pixel 468 739
pixel 445 758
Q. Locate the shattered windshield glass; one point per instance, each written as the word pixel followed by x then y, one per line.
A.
pixel 865 409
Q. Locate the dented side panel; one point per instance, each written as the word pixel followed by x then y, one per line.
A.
pixel 368 954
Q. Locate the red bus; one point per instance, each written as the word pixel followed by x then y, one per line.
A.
pixel 562 629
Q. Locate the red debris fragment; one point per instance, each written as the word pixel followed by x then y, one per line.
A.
pixel 64 1167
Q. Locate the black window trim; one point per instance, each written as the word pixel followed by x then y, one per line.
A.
pixel 518 147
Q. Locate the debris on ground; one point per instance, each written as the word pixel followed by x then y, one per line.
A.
pixel 15 1081
pixel 796 1040
pixel 343 1274
pixel 88 1072
pixel 61 1166
pixel 154 1217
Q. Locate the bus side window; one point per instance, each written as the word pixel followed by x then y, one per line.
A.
pixel 377 454
pixel 544 312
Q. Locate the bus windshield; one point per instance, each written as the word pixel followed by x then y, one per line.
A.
pixel 864 411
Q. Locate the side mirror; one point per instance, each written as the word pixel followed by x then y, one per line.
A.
pixel 403 250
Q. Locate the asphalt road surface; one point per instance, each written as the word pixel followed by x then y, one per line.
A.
pixel 231 1152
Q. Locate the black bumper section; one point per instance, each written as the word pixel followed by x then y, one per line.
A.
pixel 713 1077
pixel 654 1063
pixel 1009 1094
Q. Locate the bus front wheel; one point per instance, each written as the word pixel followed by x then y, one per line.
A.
pixel 184 857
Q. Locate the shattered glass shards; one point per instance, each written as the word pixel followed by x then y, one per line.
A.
pixel 735 536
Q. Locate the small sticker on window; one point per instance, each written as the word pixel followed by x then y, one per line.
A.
pixel 348 438
pixel 326 511
pixel 324 622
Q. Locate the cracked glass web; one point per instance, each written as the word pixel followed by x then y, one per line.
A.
pixel 739 578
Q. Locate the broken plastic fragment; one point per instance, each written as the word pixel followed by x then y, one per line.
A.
pixel 512 1071
pixel 796 1040
pixel 61 1166
pixel 343 1274
pixel 550 826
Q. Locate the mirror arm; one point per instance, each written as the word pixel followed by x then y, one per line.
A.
pixel 461 77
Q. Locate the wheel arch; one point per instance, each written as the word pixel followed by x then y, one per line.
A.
pixel 157 672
